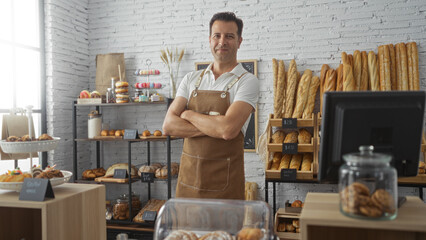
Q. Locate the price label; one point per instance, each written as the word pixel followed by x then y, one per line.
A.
pixel 147 177
pixel 289 123
pixel 130 134
pixel 120 173
pixel 288 174
pixel 149 216
pixel 290 148
pixel 36 189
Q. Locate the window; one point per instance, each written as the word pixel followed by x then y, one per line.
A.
pixel 22 64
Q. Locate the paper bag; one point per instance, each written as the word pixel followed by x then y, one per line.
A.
pixel 15 125
pixel 106 68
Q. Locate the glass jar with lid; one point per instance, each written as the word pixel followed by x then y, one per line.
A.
pixel 121 209
pixel 368 185
pixel 136 203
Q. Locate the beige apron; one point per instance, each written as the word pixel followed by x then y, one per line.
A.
pixel 211 167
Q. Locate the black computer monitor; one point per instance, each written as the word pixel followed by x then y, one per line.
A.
pixel 390 121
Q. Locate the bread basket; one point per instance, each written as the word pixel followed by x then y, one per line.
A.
pixel 30 146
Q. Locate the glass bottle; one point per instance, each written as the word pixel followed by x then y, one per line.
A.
pixel 368 185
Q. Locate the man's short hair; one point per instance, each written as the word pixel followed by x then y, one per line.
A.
pixel 227 17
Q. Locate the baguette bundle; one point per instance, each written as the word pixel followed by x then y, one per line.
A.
pixel 357 69
pixel 313 88
pixel 302 94
pixel 291 90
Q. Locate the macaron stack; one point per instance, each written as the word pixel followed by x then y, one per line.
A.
pixel 122 92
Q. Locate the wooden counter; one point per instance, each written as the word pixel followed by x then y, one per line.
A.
pixel 76 212
pixel 321 219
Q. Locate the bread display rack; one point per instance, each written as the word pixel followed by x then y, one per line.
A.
pixel 122 225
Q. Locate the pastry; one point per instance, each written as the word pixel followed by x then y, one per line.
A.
pixel 44 137
pixel 285 161
pixel 296 161
pixel 250 234
pixel 313 88
pixel 373 72
pixel 307 162
pixel 278 137
pixel 122 98
pixel 88 174
pixel 364 72
pixel 296 204
pixel 304 136
pixel 291 137
pixel 157 133
pixel 146 133
pixel 302 94
pixel 357 67
pixel 12 139
pixel 26 138
pixel 291 90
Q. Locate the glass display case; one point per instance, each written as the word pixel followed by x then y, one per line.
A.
pixel 222 219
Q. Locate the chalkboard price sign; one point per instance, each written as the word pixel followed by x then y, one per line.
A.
pixel 288 174
pixel 147 177
pixel 120 173
pixel 149 216
pixel 290 148
pixel 289 123
pixel 131 134
pixel 36 189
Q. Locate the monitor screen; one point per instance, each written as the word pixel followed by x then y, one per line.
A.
pixel 390 121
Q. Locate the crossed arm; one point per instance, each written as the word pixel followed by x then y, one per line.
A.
pixel 187 123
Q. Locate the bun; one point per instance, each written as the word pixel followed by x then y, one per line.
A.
pixel 158 133
pixel 104 133
pixel 120 84
pixel 146 133
pixel 281 227
pixel 296 203
pixel 296 223
pixel 12 139
pixel 26 138
pixel 119 133
pixel 111 132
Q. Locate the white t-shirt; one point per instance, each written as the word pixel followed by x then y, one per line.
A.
pixel 246 89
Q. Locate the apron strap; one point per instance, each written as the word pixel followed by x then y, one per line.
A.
pixel 223 95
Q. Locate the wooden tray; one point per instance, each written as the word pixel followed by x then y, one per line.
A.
pixel 153 137
pixel 107 137
pixel 113 180
pixel 300 122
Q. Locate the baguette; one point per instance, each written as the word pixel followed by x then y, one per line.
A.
pixel 275 71
pixel 304 136
pixel 357 69
pixel 404 67
pixel 302 94
pixel 291 89
pixel 307 162
pixel 364 72
pixel 339 81
pixel 278 137
pixel 345 59
pixel 296 161
pixel 415 63
pixel 277 157
pixel 398 67
pixel 387 68
pixel 380 57
pixel 285 161
pixel 313 88
pixel 373 72
pixel 392 59
pixel 348 78
pixel 330 81
pixel 280 88
pixel 351 61
pixel 291 137
pixel 410 67
pixel 324 69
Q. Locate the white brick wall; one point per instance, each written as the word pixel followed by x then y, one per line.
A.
pixel 313 32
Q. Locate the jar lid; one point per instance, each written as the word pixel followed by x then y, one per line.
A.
pixel 366 155
pixel 94 113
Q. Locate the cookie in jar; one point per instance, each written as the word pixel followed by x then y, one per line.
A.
pixel 120 210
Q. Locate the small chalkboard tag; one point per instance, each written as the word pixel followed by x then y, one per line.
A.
pixel 290 148
pixel 130 134
pixel 288 174
pixel 36 189
pixel 120 173
pixel 289 123
pixel 149 216
pixel 147 177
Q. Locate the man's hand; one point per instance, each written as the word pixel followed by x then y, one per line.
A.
pixel 226 127
pixel 174 125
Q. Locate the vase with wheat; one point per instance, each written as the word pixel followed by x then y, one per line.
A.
pixel 172 59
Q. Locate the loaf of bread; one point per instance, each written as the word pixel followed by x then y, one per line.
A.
pixel 304 136
pixel 291 89
pixel 348 78
pixel 392 62
pixel 357 70
pixel 415 66
pixel 110 170
pixel 373 72
pixel 339 81
pixel 302 94
pixel 313 89
pixel 278 137
pixel 404 66
pixel 330 81
pixel 149 168
pixel 296 161
pixel 307 161
pixel 364 72
pixel 285 161
pixel 291 137
pixel 323 74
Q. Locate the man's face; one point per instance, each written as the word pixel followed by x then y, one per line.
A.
pixel 224 41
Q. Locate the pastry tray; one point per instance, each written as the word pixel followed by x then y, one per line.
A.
pixel 16 186
pixel 30 146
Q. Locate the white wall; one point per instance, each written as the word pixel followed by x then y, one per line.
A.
pixel 312 32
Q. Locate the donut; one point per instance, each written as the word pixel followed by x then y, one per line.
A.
pixel 120 84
